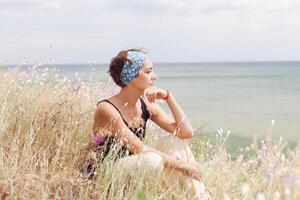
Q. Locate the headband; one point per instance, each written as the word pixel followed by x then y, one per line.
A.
pixel 130 70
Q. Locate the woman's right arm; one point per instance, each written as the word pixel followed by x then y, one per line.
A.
pixel 108 118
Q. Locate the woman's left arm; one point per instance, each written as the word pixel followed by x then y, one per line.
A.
pixel 179 124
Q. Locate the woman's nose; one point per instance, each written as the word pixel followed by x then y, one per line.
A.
pixel 154 77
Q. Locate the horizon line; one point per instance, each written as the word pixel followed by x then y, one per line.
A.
pixel 161 62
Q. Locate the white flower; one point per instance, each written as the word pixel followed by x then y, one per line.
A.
pixel 282 158
pixel 25 62
pixel 260 196
pixel 272 122
pixel 220 131
pixel 287 193
pixel 92 62
pixel 276 195
pixel 245 189
pixel 226 197
pixel 228 132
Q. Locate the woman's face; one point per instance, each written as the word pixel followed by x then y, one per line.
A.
pixel 145 77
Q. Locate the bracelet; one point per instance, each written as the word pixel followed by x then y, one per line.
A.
pixel 167 95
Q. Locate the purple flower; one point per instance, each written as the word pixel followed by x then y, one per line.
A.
pixel 291 180
pixel 270 174
pixel 98 139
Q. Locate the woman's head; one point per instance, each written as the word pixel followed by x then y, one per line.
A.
pixel 132 67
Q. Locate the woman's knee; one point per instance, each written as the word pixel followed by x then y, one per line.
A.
pixel 166 143
pixel 150 160
pixel 175 146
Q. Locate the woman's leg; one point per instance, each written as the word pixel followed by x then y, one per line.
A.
pixel 144 161
pixel 179 149
pixel 146 165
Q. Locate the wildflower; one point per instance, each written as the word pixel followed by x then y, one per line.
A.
pixel 228 132
pixel 270 174
pixel 260 196
pixel 276 195
pixel 282 158
pixel 226 197
pixel 25 62
pixel 272 122
pixel 21 109
pixel 139 163
pixel 245 189
pixel 292 180
pixel 247 148
pixel 220 132
pixel 92 62
pixel 264 147
pixel 287 193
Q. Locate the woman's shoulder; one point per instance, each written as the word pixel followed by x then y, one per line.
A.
pixel 106 111
pixel 106 117
pixel 107 103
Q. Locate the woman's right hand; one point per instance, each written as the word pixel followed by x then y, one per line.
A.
pixel 192 169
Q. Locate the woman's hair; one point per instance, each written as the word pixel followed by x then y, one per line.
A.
pixel 117 63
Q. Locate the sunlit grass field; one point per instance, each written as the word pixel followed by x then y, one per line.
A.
pixel 45 145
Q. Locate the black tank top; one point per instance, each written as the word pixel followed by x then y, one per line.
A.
pixel 107 144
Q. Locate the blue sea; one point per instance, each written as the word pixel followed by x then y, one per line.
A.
pixel 243 97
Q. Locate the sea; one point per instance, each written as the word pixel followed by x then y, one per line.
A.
pixel 244 98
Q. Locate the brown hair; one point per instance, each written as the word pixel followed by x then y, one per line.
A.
pixel 117 63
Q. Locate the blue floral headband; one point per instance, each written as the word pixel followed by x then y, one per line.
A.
pixel 130 70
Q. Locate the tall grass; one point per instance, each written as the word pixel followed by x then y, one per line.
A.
pixel 45 144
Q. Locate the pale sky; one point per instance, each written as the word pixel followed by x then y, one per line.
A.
pixel 80 31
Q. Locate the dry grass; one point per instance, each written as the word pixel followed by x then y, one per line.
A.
pixel 45 129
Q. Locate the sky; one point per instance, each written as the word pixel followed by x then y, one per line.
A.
pixel 83 31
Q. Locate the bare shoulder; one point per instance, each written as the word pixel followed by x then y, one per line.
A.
pixel 105 114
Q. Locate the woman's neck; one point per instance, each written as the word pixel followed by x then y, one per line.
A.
pixel 129 96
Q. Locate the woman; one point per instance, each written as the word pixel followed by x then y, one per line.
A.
pixel 125 115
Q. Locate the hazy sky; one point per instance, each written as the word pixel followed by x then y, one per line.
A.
pixel 80 31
